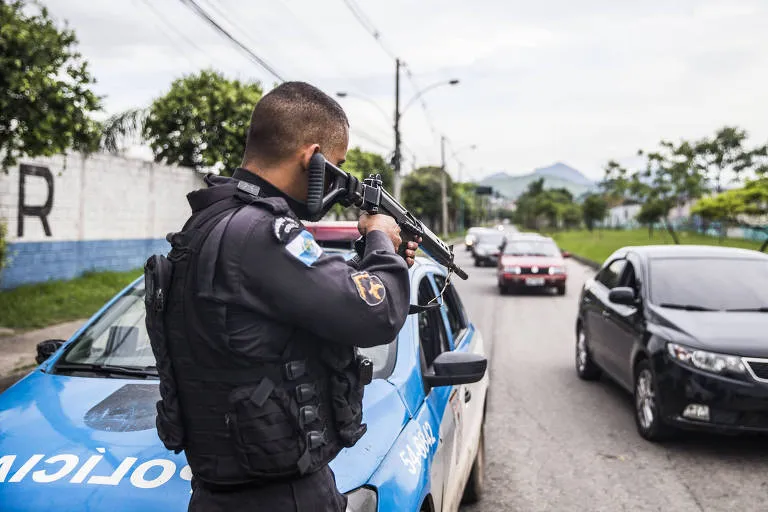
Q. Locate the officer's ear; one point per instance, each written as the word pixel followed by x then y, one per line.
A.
pixel 306 155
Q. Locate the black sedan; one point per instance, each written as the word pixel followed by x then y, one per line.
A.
pixel 685 329
pixel 487 246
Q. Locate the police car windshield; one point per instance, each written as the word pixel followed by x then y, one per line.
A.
pixel 118 338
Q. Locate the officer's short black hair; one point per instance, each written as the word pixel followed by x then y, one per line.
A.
pixel 289 116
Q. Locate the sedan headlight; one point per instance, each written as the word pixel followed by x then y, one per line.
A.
pixel 556 270
pixel 707 361
pixel 362 499
pixel 513 270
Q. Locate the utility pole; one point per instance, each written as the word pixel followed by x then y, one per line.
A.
pixel 396 157
pixel 443 185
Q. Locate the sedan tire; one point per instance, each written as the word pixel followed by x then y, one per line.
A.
pixel 650 424
pixel 586 368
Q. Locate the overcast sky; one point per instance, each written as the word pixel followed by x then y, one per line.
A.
pixel 576 81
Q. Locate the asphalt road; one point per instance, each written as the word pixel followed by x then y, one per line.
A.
pixel 556 443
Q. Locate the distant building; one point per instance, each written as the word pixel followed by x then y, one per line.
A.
pixel 622 217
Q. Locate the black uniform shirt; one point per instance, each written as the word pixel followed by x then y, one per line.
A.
pixel 273 277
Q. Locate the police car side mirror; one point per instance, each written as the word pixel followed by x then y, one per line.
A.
pixel 452 368
pixel 46 349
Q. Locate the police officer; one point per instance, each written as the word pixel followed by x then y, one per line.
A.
pixel 261 383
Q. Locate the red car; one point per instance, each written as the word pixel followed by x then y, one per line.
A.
pixel 531 261
pixel 334 234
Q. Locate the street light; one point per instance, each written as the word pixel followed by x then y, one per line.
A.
pixel 454 81
pixel 345 94
pixel 398 115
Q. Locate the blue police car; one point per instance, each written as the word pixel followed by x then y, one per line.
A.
pixel 82 436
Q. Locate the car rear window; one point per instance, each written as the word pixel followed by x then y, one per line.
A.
pixel 490 238
pixel 711 283
pixel 531 248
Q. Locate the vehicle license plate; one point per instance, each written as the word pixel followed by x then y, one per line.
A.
pixel 534 281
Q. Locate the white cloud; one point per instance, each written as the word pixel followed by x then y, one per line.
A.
pixel 579 82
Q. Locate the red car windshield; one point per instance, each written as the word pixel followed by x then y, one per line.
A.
pixel 531 248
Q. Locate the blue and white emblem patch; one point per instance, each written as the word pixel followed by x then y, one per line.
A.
pixel 304 248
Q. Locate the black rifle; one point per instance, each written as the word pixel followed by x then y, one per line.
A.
pixel 329 185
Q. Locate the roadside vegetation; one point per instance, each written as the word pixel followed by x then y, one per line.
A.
pixel 599 244
pixel 44 304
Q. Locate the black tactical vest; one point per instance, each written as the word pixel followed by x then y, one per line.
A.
pixel 242 421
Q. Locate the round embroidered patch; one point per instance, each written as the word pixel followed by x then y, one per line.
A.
pixel 283 227
pixel 370 288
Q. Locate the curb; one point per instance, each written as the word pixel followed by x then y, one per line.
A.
pixel 586 261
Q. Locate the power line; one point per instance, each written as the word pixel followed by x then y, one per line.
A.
pixel 368 25
pixel 207 18
pixel 366 136
pixel 170 28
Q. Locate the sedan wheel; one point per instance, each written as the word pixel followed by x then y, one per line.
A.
pixel 586 368
pixel 650 424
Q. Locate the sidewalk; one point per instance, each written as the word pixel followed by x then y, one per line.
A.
pixel 17 352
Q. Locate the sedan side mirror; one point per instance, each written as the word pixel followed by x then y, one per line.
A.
pixel 46 349
pixel 622 295
pixel 565 254
pixel 452 368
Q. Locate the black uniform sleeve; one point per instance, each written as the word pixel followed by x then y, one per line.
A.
pixel 365 304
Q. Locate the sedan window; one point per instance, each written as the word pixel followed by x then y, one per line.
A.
pixel 609 276
pixel 710 283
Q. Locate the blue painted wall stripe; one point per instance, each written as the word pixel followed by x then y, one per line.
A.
pixel 35 262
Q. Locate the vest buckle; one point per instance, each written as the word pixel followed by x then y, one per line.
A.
pixel 307 415
pixel 305 393
pixel 295 369
pixel 316 439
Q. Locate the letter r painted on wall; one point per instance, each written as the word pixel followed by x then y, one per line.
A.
pixel 41 211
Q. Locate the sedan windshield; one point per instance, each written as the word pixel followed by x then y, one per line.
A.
pixel 117 343
pixel 703 284
pixel 490 238
pixel 531 248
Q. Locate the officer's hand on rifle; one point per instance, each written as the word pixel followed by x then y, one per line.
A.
pixel 388 225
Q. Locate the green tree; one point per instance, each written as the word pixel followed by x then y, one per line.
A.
pixel 594 209
pixel 363 163
pixel 421 194
pixel 743 207
pixel 571 214
pixel 201 122
pixel 45 101
pixel 726 153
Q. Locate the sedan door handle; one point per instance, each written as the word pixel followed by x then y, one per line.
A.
pixel 606 314
pixel 467 395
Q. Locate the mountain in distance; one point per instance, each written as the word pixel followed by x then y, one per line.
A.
pixel 564 172
pixel 558 175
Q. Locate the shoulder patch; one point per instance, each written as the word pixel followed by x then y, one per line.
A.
pixel 304 248
pixel 370 288
pixel 284 227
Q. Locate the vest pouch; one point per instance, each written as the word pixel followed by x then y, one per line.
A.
pixel 347 387
pixel 264 427
pixel 158 271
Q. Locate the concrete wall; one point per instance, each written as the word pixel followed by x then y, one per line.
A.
pixel 66 215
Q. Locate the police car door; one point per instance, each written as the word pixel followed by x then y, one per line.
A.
pixel 466 412
pixel 433 340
